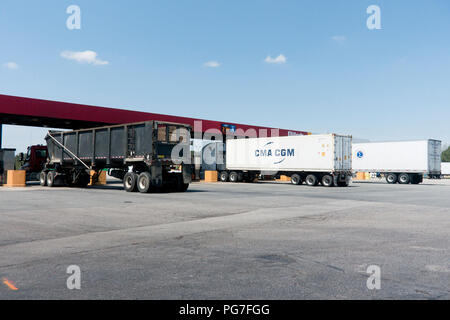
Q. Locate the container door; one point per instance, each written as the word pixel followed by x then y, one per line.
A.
pixel 339 153
pixel 434 156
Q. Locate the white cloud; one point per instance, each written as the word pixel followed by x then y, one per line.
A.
pixel 339 39
pixel 212 64
pixel 11 65
pixel 87 56
pixel 278 60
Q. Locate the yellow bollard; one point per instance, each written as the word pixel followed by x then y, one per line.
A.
pixel 101 179
pixel 16 178
pixel 360 176
pixel 211 176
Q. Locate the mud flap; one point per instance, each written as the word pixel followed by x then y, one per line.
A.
pixel 335 180
pixel 187 174
pixel 157 176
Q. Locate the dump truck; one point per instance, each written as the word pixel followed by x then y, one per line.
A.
pixel 404 162
pixel 146 156
pixel 312 159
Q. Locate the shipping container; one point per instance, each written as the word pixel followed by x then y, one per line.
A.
pixel 400 161
pixel 445 168
pixel 313 159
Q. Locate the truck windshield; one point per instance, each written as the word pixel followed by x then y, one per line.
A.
pixel 41 154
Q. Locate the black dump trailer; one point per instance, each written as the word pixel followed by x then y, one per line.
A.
pixel 147 156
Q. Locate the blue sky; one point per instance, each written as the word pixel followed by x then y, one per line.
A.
pixel 338 75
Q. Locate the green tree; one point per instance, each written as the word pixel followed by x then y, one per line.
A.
pixel 446 155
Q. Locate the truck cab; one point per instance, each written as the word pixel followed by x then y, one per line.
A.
pixel 34 161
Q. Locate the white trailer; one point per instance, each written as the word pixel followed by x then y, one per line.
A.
pixel 400 161
pixel 445 168
pixel 312 159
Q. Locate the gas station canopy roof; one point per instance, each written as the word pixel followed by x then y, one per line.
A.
pixel 53 114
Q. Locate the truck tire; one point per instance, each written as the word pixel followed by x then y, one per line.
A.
pixel 391 178
pixel 83 181
pixel 416 179
pixel 43 178
pixel 234 177
pixel 343 183
pixel 144 182
pixel 311 180
pixel 181 186
pixel 404 178
pixel 249 178
pixel 327 181
pixel 223 177
pixel 296 179
pixel 51 179
pixel 129 182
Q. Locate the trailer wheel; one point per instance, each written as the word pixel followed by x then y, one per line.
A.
pixel 182 187
pixel 144 182
pixel 391 178
pixel 343 183
pixel 234 177
pixel 327 181
pixel 51 179
pixel 83 181
pixel 223 177
pixel 311 180
pixel 43 178
pixel 404 178
pixel 129 182
pixel 296 179
pixel 415 179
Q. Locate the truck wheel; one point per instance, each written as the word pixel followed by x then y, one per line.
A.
pixel 391 178
pixel 311 180
pixel 415 179
pixel 43 178
pixel 223 177
pixel 83 181
pixel 234 177
pixel 51 179
pixel 129 182
pixel 181 186
pixel 144 182
pixel 327 181
pixel 404 178
pixel 343 184
pixel 296 179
